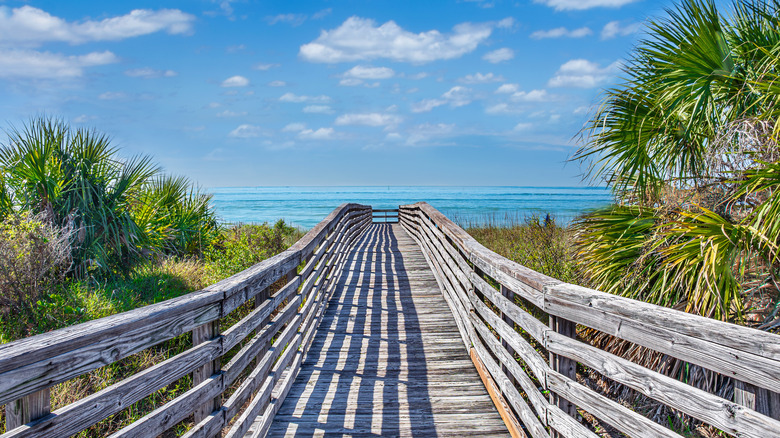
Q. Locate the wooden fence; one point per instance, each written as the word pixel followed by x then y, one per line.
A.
pixel 271 341
pixel 540 396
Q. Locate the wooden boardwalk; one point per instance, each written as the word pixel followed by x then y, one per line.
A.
pixel 387 359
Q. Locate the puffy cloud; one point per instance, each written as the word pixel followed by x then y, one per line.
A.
pixel 277 83
pixel 560 32
pixel 360 39
pixel 615 28
pixel 350 82
pixel 507 89
pixel 318 109
pixel 46 65
pixel 523 126
pixel 290 97
pixel 456 96
pixel 581 73
pixel 500 55
pixel 28 25
pixel 506 23
pixel 319 134
pixel 150 73
pixel 363 72
pixel 368 119
pixel 479 78
pixel 531 96
pixel 579 5
pixel 245 131
pixel 294 127
pixel 235 81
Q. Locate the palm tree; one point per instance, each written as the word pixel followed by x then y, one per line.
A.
pixel 687 142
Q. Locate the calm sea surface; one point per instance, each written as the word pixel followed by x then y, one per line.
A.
pixel 306 206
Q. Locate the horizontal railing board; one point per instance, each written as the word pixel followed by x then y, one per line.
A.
pixel 723 414
pixel 45 373
pixel 747 354
pixel 78 416
pixel 47 359
pixel 759 370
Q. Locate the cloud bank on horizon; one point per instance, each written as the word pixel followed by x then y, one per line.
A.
pixel 236 93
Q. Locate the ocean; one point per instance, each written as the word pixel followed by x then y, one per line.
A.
pixel 306 206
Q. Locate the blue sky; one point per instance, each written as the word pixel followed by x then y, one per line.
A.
pixel 234 93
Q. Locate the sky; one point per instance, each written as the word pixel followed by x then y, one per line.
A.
pixel 279 93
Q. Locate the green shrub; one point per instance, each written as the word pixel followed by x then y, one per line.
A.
pixel 242 246
pixel 33 258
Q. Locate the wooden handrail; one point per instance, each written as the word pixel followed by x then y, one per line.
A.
pixel 29 367
pixel 496 329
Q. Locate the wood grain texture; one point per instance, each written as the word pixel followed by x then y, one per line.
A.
pixel 386 358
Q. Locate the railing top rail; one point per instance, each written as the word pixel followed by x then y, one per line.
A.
pixel 582 304
pixel 126 328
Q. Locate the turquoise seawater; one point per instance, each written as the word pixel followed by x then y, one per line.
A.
pixel 306 206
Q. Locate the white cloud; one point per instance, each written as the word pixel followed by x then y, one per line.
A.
pixel 426 132
pixel 579 5
pixel 500 55
pixel 499 108
pixel 368 119
pixel 318 109
pixel 361 39
pixel 290 97
pixel 350 82
pixel 245 131
pixel 277 83
pixel 615 28
pixel 581 73
pixel 506 23
pixel 456 96
pixel 319 134
pixel 581 110
pixel 292 19
pixel 479 78
pixel 28 25
pixel 321 14
pixel 228 113
pixel 235 81
pixel 531 96
pixel 364 72
pixel 150 73
pixel 523 126
pixel 31 64
pixel 507 89
pixel 265 67
pixel 84 118
pixel 294 127
pixel 560 32
pixel 420 75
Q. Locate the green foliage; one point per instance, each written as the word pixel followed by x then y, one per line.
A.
pixel 242 246
pixel 688 143
pixel 121 210
pixel 541 245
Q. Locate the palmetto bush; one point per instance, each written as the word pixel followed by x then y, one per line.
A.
pixel 688 143
pixel 120 210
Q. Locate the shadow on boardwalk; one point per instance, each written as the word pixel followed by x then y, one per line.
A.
pixel 386 347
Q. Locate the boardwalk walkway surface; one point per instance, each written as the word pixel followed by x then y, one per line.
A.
pixel 387 359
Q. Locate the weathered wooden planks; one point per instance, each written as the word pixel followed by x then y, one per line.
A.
pixel 387 358
pixel 748 355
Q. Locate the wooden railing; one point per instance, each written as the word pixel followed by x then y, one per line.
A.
pixel 386 215
pixel 541 391
pixel 270 342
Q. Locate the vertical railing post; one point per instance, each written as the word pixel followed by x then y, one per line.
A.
pixel 28 408
pixel 759 399
pixel 563 365
pixel 511 297
pixel 201 334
